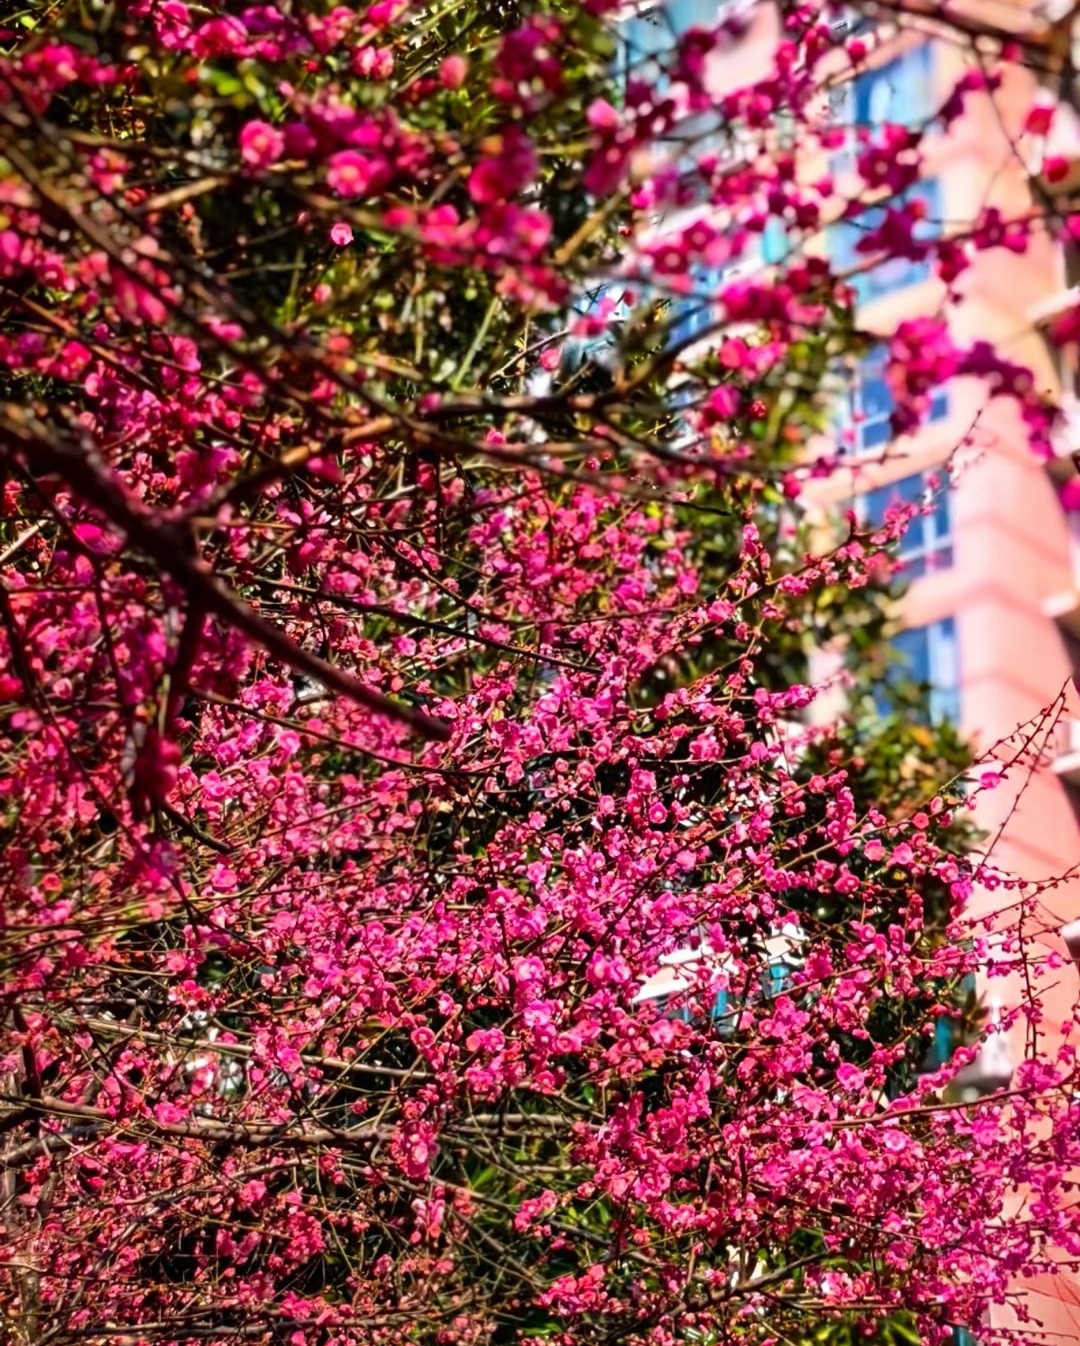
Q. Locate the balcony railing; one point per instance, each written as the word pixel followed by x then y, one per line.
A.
pixel 1065 436
pixel 1064 607
pixel 1065 440
pixel 1066 762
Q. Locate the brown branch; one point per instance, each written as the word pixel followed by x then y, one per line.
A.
pixel 203 1128
pixel 168 546
pixel 292 460
pixel 112 1028
pixel 414 623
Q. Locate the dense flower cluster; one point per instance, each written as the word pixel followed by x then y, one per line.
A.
pixel 373 727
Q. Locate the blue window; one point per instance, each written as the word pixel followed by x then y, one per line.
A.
pixel 926 545
pixel 644 36
pixel 680 1012
pixel 686 14
pixel 648 40
pixel 869 416
pixel 871 402
pixel 949 1034
pixel 693 315
pixel 722 1014
pixel 601 349
pixel 778 979
pixel 892 273
pixel 775 244
pixel 942 1046
pixel 929 657
pixel 649 35
pixel 900 93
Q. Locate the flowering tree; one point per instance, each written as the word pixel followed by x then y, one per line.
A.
pixel 405 621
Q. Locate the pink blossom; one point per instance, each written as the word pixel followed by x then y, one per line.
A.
pixel 261 145
pixel 453 71
pixel 351 174
pixel 509 165
pixel 1040 116
pixel 850 1078
pixel 602 116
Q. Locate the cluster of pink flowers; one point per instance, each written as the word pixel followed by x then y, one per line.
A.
pixel 356 781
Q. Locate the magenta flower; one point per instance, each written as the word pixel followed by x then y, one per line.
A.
pixel 602 115
pixel 261 145
pixel 341 234
pixel 510 168
pixel 453 72
pixel 350 173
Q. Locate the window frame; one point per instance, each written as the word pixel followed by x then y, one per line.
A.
pixel 670 27
pixel 691 314
pixel 871 433
pixel 889 275
pixel 845 109
pixel 942 659
pixel 932 550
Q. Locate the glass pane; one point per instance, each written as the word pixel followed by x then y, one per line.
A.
pixel 940 521
pixel 900 93
pixel 646 33
pixel 778 980
pixel 904 492
pixel 928 192
pixel 877 504
pixel 774 242
pixel 694 314
pixel 944 656
pixel 913 647
pixel 876 401
pixel 928 655
pixel 686 14
pixel 843 237
pixel 645 36
pixel 925 543
pixel 944 671
pixel 722 1015
pixel 945 705
pixel 609 300
pixel 893 273
pixel 944 1046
